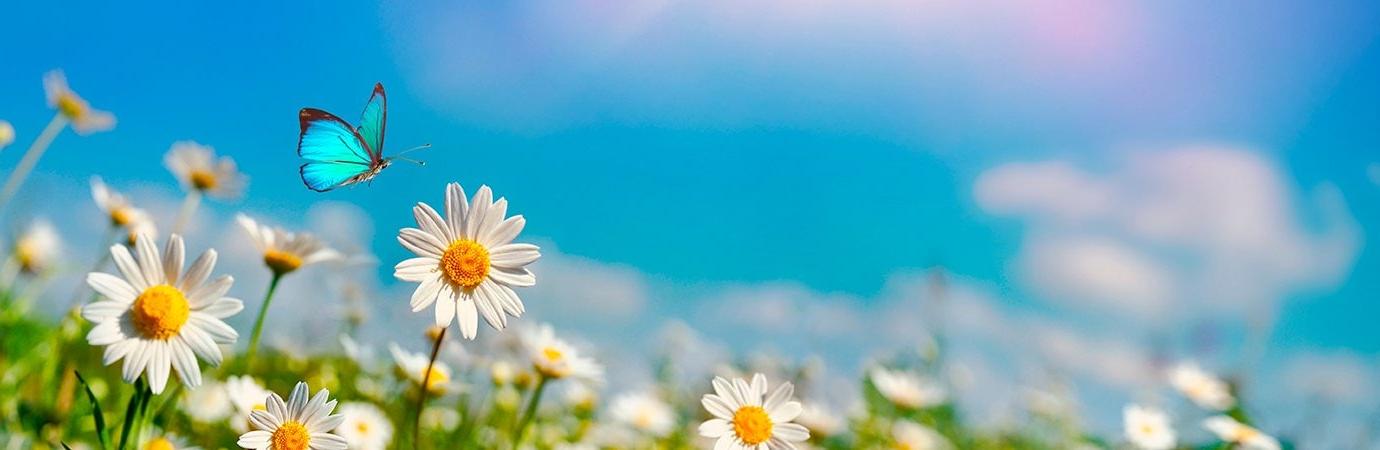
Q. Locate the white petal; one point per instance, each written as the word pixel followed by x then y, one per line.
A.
pixel 115 352
pixel 785 413
pixel 504 232
pixel 416 270
pixel 173 256
pixel 257 439
pixel 486 301
pixel 426 293
pixel 105 333
pixel 479 210
pixel 421 242
pixel 135 361
pixel 781 394
pixel 277 407
pixel 223 307
pixel 103 310
pixel 327 441
pixel 213 327
pixel 512 277
pixel 263 420
pixel 717 406
pixel 467 315
pixel 713 428
pixel 158 367
pixel 297 401
pixel 445 310
pixel 456 208
pixel 184 363
pixel 201 344
pixel 790 431
pixel 149 262
pixel 204 295
pixel 112 287
pixel 327 421
pixel 128 267
pixel 199 271
pixel 430 222
pixel 514 256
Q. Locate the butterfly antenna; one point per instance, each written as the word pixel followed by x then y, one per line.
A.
pixel 413 149
pixel 420 163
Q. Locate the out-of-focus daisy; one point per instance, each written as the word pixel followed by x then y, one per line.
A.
pixel 906 389
pixel 197 167
pixel 365 426
pixel 1244 436
pixel 1203 388
pixel 820 420
pixel 166 441
pixel 502 372
pixel 440 418
pixel 298 424
pixel 908 435
pixel 580 397
pixel 246 396
pixel 555 359
pixel 208 403
pixel 116 206
pixel 157 317
pixel 1147 428
pixel 746 417
pixel 84 118
pixel 466 263
pixel 414 366
pixel 643 412
pixel 285 251
pixel 6 134
pixel 38 248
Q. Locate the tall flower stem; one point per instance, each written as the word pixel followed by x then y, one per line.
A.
pixel 530 411
pixel 421 395
pixel 188 208
pixel 101 259
pixel 138 404
pixel 259 322
pixel 30 159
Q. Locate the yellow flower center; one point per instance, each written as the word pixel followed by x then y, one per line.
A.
pixel 202 179
pixel 281 262
pixel 28 257
pixel 552 353
pixel 71 106
pixel 160 311
pixel 159 444
pixel 437 381
pixel 362 427
pixel 291 436
pixel 752 425
pixel 120 216
pixel 1244 433
pixel 465 263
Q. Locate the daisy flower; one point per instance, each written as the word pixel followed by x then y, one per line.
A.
pixel 821 421
pixel 643 412
pixel 743 419
pixel 197 167
pixel 1201 387
pixel 6 134
pixel 554 359
pixel 285 251
pixel 209 403
pixel 365 426
pixel 1244 436
pixel 580 397
pixel 909 435
pixel 157 317
pixel 141 226
pixel 85 120
pixel 414 365
pixel 38 249
pixel 466 263
pixel 1148 428
pixel 298 424
pixel 246 396
pixel 116 206
pixel 906 389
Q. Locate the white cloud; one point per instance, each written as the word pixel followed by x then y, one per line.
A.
pixel 571 287
pixel 1089 270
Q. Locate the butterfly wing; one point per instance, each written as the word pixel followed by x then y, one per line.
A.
pixel 333 150
pixel 373 122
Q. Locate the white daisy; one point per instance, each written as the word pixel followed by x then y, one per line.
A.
pixel 85 120
pixel 246 396
pixel 365 426
pixel 553 358
pixel 467 260
pixel 196 166
pixel 116 206
pixel 1244 436
pixel 580 397
pixel 1148 428
pixel 743 419
pixel 38 248
pixel 285 251
pixel 6 134
pixel 208 403
pixel 906 389
pixel 820 420
pixel 909 435
pixel 158 317
pixel 502 372
pixel 1201 387
pixel 414 365
pixel 643 412
pixel 298 424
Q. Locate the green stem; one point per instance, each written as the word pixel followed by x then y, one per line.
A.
pixel 530 411
pixel 259 323
pixel 141 393
pixel 421 394
pixel 30 159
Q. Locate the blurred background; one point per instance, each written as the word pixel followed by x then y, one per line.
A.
pixel 1064 195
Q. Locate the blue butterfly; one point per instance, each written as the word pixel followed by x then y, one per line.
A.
pixel 338 154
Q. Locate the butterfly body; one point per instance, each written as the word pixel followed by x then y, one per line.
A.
pixel 338 154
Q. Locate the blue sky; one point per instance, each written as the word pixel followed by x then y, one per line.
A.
pixel 815 150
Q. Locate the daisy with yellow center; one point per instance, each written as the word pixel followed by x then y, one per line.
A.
pixel 1244 436
pixel 747 417
pixel 201 173
pixel 1147 428
pixel 906 389
pixel 466 262
pixel 246 396
pixel 167 441
pixel 37 250
pixel 298 424
pixel 1203 388
pixel 283 252
pixel 157 317
pixel 70 109
pixel 820 420
pixel 643 412
pixel 366 427
pixel 209 403
pixel 415 365
pixel 555 359
pixel 908 435
pixel 117 208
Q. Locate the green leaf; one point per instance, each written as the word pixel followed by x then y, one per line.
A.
pixel 101 432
